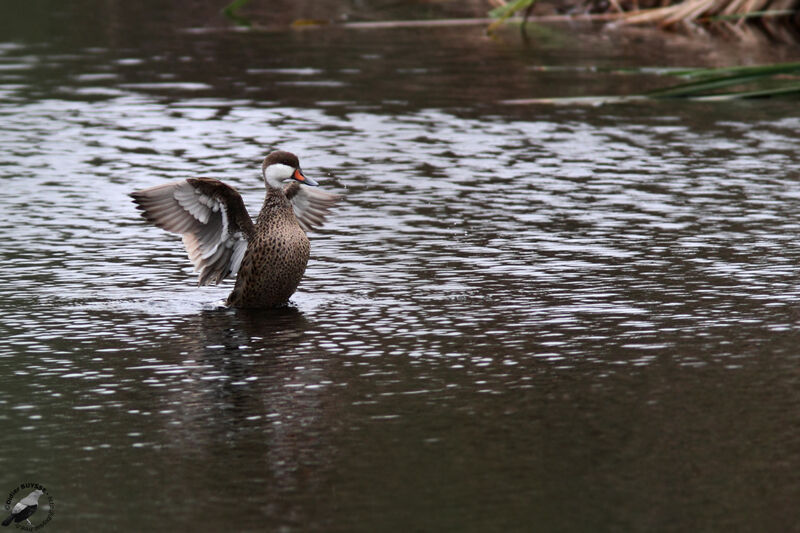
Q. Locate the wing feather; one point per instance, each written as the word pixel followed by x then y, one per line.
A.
pixel 239 248
pixel 310 204
pixel 211 217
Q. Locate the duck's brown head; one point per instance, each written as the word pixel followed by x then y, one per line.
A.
pixel 280 166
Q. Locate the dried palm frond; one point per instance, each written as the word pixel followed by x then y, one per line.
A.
pixel 728 16
pixel 705 11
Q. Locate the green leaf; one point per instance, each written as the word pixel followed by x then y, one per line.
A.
pixel 231 9
pixel 504 12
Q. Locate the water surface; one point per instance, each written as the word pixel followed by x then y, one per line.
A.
pixel 519 318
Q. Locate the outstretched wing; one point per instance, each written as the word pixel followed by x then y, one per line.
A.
pixel 310 204
pixel 210 215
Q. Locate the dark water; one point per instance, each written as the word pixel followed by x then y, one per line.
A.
pixel 519 319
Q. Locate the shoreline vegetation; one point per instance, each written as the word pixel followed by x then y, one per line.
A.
pixel 776 18
pixel 779 20
pixel 744 20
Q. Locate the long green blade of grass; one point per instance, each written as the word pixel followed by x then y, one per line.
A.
pixel 764 70
pixel 764 93
pixel 760 81
pixel 740 76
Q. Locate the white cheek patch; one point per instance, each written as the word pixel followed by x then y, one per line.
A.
pixel 276 174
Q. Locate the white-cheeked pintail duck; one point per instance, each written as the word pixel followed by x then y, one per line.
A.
pixel 269 257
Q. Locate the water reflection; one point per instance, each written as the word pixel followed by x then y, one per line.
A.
pixel 236 388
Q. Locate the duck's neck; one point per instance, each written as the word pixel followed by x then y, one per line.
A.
pixel 275 205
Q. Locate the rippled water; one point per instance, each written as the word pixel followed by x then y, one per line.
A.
pixel 518 318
